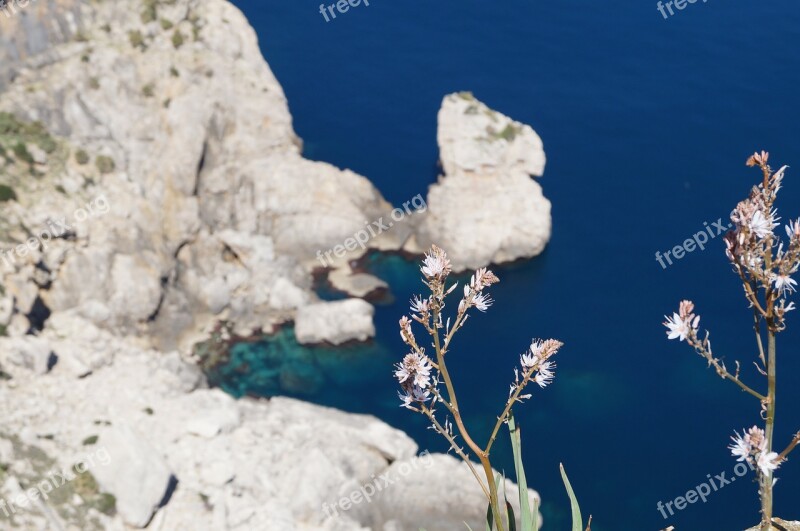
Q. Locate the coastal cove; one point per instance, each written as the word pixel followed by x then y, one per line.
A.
pixel 217 216
pixel 622 100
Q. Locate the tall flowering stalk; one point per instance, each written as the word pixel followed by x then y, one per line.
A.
pixel 426 383
pixel 765 265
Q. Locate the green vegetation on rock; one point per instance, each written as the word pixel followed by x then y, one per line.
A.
pixel 81 157
pixel 15 133
pixel 7 193
pixel 136 39
pixel 104 164
pixel 177 39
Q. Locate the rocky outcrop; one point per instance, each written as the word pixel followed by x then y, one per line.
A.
pixel 28 351
pixel 168 114
pixel 485 208
pixel 334 322
pixel 274 464
pixel 425 498
pixel 785 525
pixel 151 186
pixel 167 171
pixel 138 477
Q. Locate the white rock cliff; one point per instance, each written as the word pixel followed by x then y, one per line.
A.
pixel 164 192
pixel 485 208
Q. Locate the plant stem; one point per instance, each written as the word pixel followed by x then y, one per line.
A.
pixel 453 407
pixel 451 394
pixel 795 442
pixel 766 494
pixel 725 375
pixel 493 500
pixel 757 328
pixel 457 449
pixel 511 401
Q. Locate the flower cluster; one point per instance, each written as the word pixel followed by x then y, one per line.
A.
pixel 414 372
pixel 418 375
pixel 473 292
pixel 535 365
pixel 684 323
pixel 753 447
pixel 757 253
pixel 765 265
pixel 414 375
pixel 425 381
pixel 436 265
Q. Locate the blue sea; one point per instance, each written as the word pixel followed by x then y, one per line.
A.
pixel 646 122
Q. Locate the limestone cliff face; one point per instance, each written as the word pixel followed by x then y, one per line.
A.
pixel 33 31
pixel 169 112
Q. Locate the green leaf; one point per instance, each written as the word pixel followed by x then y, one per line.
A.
pixel 512 521
pixel 489 518
pixel 577 521
pixel 529 522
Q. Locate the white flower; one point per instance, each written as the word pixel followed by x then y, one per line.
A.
pixel 537 348
pixel 740 448
pixel 784 284
pixel 528 361
pixel 405 330
pixel 756 438
pixel 762 225
pixel 679 328
pixel 420 305
pixel 481 301
pixel 753 446
pixel 436 264
pixel 414 367
pixel 545 374
pixel 768 461
pixel 415 395
pixel 538 351
pixel 793 229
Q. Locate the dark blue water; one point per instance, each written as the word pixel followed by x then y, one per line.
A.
pixel 646 123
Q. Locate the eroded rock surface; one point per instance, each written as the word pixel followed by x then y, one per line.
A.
pixel 172 133
pixel 486 208
pixel 247 464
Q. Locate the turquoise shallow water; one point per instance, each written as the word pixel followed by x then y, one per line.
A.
pixel 646 123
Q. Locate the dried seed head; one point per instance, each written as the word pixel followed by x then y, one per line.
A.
pixel 758 159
